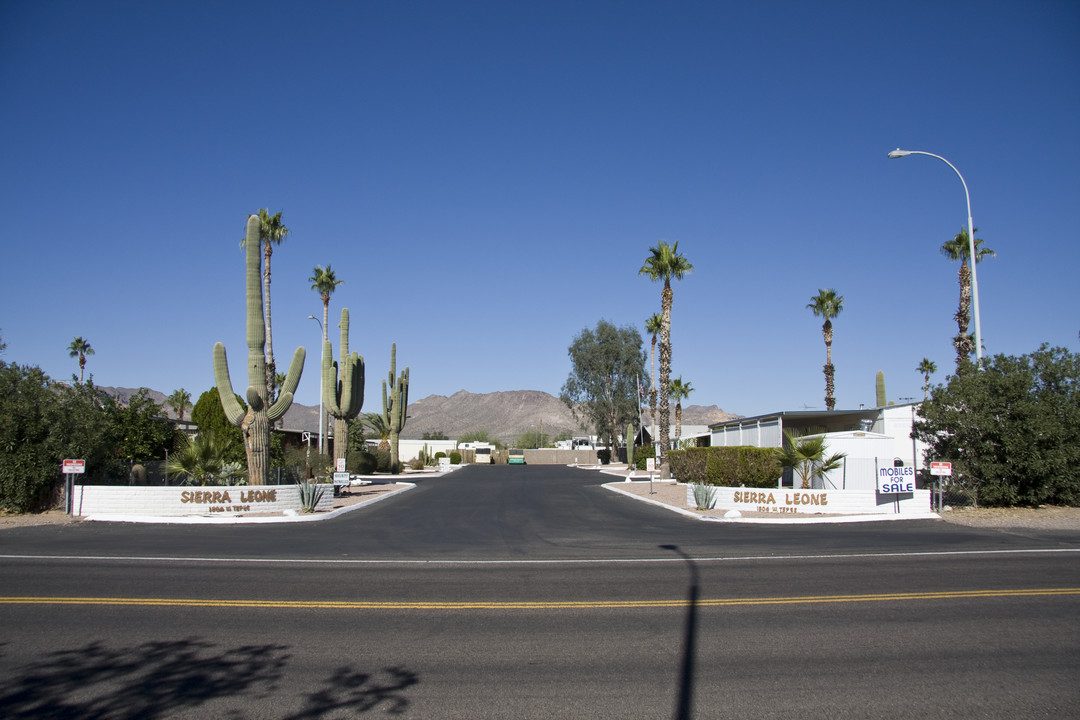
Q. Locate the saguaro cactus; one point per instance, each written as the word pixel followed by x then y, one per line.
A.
pixel 343 386
pixel 395 403
pixel 881 401
pixel 630 447
pixel 255 420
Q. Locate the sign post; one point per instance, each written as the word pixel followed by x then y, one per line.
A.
pixel 71 468
pixel 940 469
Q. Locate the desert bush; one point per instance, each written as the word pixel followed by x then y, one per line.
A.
pixel 727 466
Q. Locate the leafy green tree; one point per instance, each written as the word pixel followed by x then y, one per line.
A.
pixel 959 250
pixel 806 457
pixel 664 264
pixel 3 345
pixel 41 424
pixel 1012 431
pixel 140 429
pixel 271 232
pixel 530 439
pixel 828 304
pixel 180 401
pixel 926 369
pixel 680 391
pixel 475 436
pixel 80 348
pixel 208 416
pixel 602 387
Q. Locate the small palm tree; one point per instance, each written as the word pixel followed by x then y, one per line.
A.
pixel 926 369
pixel 202 461
pixel 324 282
pixel 806 457
pixel 80 348
pixel 959 249
pixel 180 401
pixel 828 304
pixel 663 264
pixel 378 426
pixel 271 232
pixel 679 391
pixel 652 326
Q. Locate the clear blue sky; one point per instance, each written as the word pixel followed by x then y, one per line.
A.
pixel 488 177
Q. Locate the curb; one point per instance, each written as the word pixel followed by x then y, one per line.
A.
pixel 795 520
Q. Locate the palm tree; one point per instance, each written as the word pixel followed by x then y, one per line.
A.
pixel 179 401
pixel 665 263
pixel 271 232
pixel 378 426
pixel 828 304
pixel 806 457
pixel 203 460
pixel 80 348
pixel 926 369
pixel 652 326
pixel 959 249
pixel 324 281
pixel 679 390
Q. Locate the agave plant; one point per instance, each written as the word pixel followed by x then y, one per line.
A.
pixel 704 496
pixel 310 495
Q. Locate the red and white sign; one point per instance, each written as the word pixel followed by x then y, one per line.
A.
pixel 941 468
pixel 340 465
pixel 74 467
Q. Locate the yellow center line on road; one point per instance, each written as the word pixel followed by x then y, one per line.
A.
pixel 535 605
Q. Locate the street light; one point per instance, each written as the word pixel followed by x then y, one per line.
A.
pixel 898 153
pixel 321 379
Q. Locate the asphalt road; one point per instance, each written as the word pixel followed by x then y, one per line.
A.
pixel 529 592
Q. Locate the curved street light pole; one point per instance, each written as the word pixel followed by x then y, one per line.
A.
pixel 321 446
pixel 898 153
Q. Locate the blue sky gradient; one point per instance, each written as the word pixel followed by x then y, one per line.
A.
pixel 487 178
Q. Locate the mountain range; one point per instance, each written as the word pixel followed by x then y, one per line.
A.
pixel 502 415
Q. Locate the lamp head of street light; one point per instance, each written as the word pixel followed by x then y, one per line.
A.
pixel 898 153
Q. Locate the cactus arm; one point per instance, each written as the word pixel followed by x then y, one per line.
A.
pixel 233 410
pixel 292 379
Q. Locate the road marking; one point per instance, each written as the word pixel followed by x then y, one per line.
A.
pixel 535 605
pixel 581 561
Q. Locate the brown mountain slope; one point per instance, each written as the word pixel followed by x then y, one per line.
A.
pixel 502 415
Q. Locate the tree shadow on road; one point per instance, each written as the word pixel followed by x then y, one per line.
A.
pixel 162 678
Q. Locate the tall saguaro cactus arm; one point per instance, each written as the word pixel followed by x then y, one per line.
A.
pixel 343 381
pixel 395 401
pixel 254 421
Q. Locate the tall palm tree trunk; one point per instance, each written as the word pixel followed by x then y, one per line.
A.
pixel 665 372
pixel 830 371
pixel 963 343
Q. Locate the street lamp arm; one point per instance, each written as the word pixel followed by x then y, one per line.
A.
pixel 898 153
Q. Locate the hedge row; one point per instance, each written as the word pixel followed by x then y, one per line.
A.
pixel 727 466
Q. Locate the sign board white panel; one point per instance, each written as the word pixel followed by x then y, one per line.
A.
pixel 74 467
pixel 941 468
pixel 896 480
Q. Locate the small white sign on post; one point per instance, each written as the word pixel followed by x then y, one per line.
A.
pixel 341 465
pixel 74 467
pixel 941 468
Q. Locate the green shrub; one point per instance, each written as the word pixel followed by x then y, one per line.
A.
pixel 455 457
pixel 604 456
pixel 739 466
pixel 642 455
